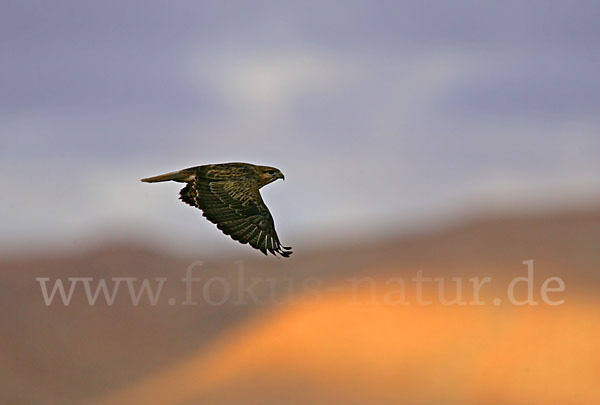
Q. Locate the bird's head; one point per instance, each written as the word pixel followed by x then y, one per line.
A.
pixel 268 174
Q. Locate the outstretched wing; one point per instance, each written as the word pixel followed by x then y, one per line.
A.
pixel 236 207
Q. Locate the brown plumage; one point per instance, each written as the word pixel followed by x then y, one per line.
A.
pixel 228 195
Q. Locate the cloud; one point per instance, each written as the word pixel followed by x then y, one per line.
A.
pixel 268 82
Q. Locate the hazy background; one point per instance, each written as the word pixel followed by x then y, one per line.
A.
pixel 378 112
pixel 458 137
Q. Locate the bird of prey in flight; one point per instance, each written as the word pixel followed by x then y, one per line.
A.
pixel 228 195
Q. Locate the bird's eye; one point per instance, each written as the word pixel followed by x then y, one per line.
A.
pixel 271 172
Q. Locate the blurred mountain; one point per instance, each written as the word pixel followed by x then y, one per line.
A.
pixel 266 343
pixel 338 352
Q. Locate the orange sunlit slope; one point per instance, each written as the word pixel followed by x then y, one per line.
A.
pixel 347 350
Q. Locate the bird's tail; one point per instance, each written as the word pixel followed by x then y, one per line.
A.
pixel 182 176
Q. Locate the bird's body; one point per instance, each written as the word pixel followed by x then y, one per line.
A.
pixel 228 195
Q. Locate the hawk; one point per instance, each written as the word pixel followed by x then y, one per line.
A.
pixel 228 195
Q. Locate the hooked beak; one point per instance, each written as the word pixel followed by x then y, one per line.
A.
pixel 281 176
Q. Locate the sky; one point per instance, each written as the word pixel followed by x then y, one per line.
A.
pixel 381 115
